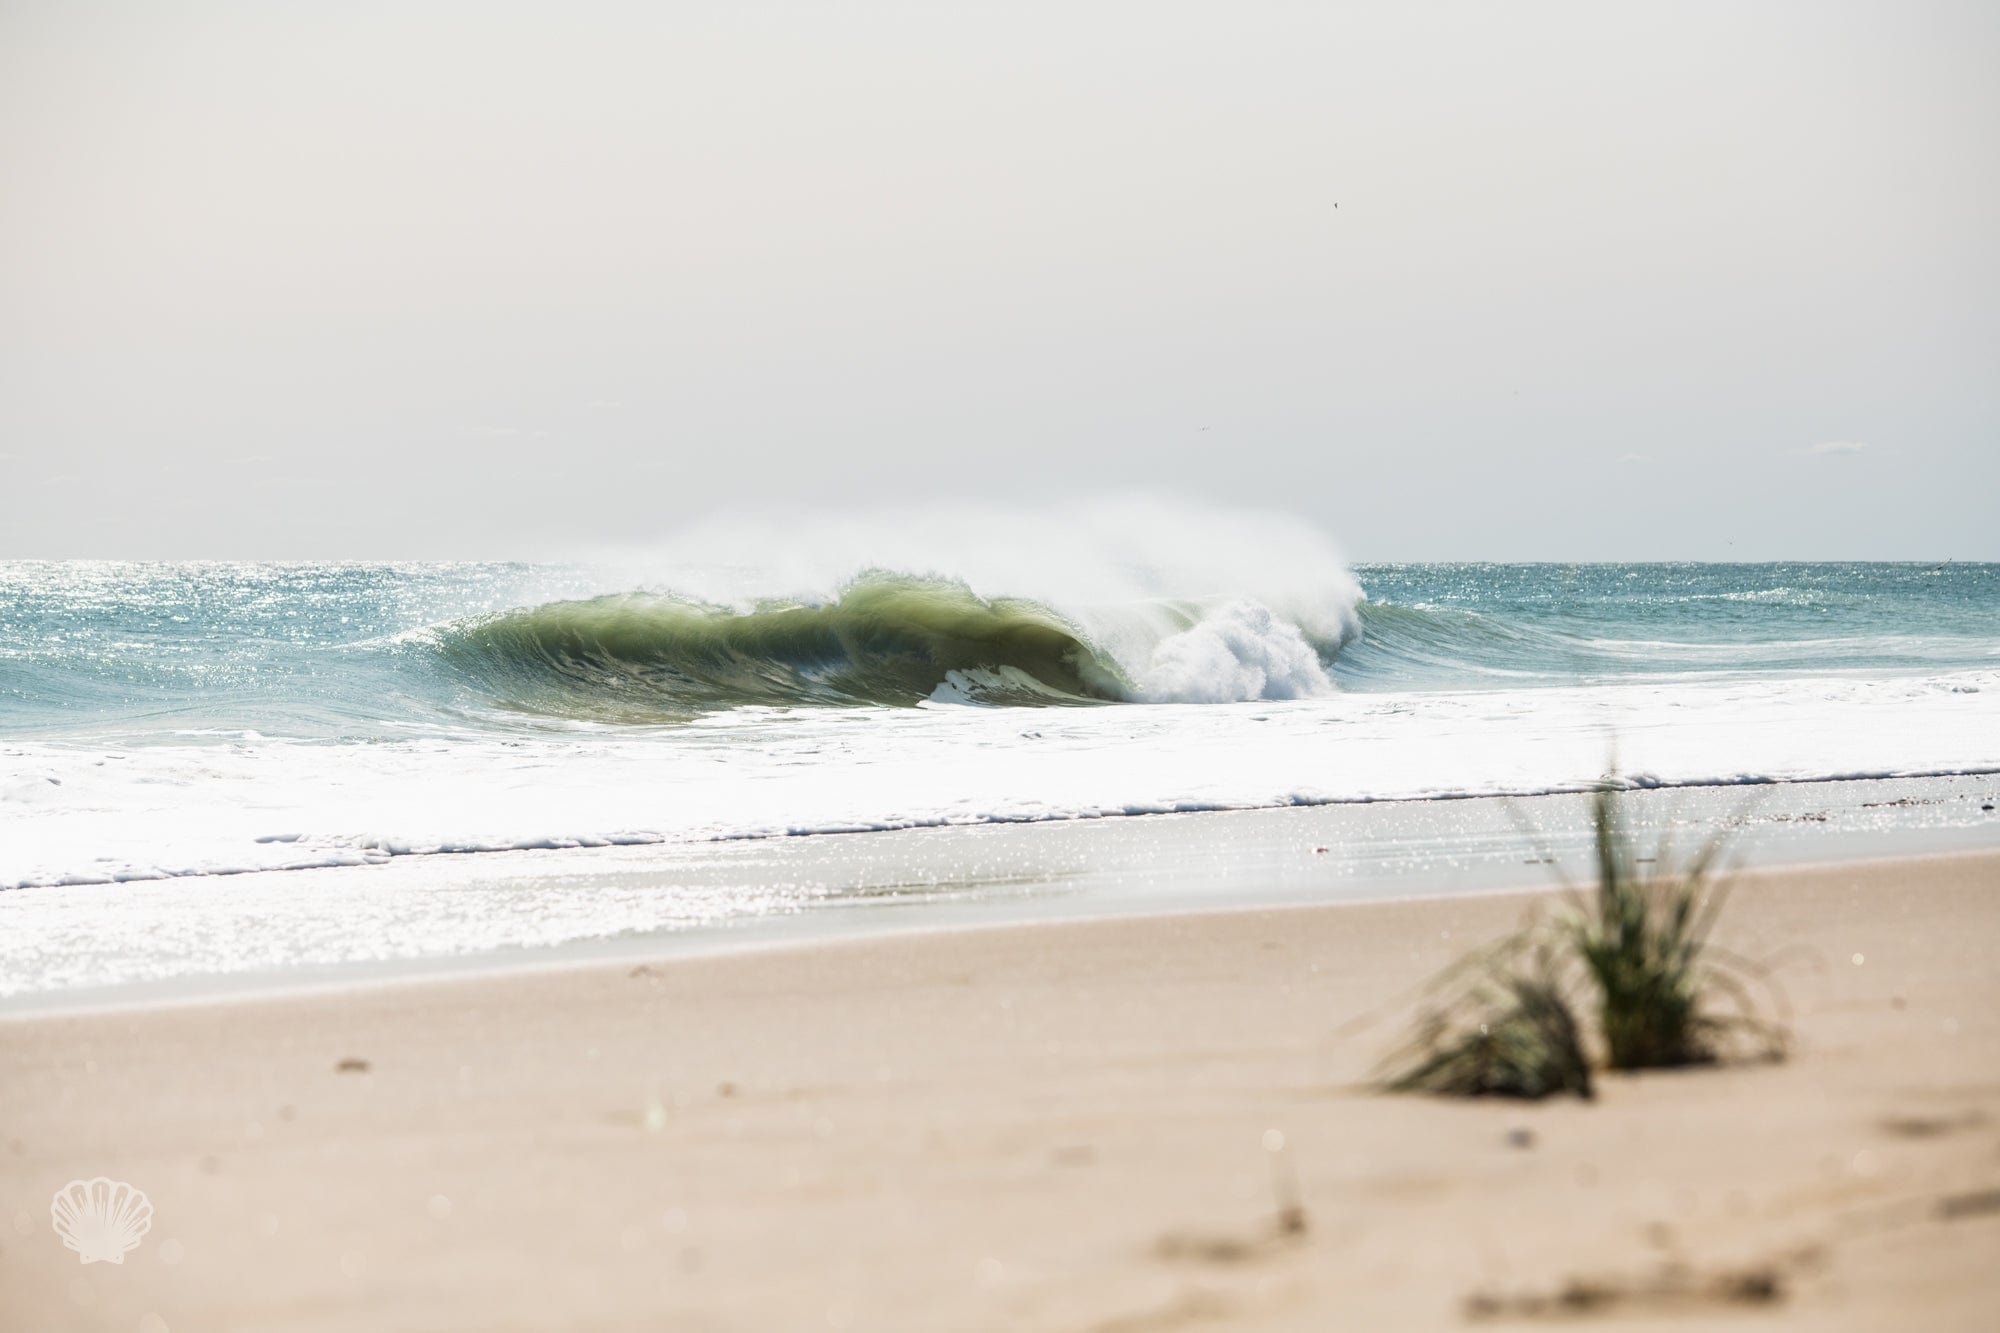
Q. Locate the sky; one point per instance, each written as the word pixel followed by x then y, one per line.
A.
pixel 1534 281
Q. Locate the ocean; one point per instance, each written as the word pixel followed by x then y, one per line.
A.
pixel 204 724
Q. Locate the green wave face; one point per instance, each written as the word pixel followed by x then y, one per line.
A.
pixel 885 639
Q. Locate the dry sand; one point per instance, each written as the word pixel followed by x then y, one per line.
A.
pixel 1060 1126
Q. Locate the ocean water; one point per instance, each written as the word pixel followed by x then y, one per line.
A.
pixel 198 719
pixel 193 723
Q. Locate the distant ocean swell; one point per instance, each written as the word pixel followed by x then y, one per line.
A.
pixel 119 653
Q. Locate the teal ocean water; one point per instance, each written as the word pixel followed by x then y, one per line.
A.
pixel 192 719
pixel 151 653
pixel 219 768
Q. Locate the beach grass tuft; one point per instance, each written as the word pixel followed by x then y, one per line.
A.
pixel 1642 936
pixel 1502 1026
pixel 1634 952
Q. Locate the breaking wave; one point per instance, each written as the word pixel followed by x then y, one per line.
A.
pixel 884 638
pixel 1137 601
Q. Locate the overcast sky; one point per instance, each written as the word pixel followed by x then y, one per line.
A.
pixel 1567 281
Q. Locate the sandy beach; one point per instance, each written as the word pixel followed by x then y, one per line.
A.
pixel 1083 1125
pixel 801 668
